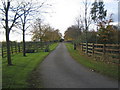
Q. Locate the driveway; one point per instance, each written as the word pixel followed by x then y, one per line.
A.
pixel 60 70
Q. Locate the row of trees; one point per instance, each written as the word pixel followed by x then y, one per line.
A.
pixel 105 32
pixel 110 34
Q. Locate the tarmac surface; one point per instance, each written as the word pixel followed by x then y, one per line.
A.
pixel 60 70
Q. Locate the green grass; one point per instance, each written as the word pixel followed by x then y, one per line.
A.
pixel 16 76
pixel 110 70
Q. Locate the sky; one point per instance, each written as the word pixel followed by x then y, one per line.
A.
pixel 66 11
pixel 63 14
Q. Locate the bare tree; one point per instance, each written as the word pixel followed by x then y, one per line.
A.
pixel 29 11
pixel 80 25
pixel 86 19
pixel 9 21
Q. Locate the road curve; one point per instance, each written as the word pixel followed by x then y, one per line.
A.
pixel 60 70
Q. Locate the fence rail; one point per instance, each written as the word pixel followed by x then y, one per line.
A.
pixel 16 47
pixel 109 52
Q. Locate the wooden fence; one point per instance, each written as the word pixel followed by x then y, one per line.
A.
pixel 106 52
pixel 16 47
pixel 0 49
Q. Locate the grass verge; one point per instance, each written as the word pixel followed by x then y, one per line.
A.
pixel 110 70
pixel 16 76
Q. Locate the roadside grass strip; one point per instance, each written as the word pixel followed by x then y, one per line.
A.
pixel 101 67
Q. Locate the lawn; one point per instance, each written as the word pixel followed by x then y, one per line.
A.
pixel 16 76
pixel 110 70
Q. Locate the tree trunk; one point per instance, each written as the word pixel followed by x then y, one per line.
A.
pixel 8 49
pixel 7 35
pixel 41 43
pixel 96 35
pixel 86 26
pixel 24 53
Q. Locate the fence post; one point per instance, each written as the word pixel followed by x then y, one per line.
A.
pixel 104 51
pixel 16 47
pixel 74 46
pixel 87 48
pixel 2 51
pixel 93 49
pixel 119 52
pixel 82 46
pixel 37 46
pixel 11 47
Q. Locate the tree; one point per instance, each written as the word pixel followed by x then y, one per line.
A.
pixel 56 35
pixel 80 27
pixel 84 21
pixel 101 12
pixel 98 13
pixel 71 34
pixel 28 11
pixel 23 21
pixel 107 32
pixel 87 21
pixel 45 33
pixel 10 16
pixel 52 35
pixel 38 30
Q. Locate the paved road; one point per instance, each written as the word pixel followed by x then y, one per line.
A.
pixel 59 70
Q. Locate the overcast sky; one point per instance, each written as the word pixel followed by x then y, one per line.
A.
pixel 63 14
pixel 66 11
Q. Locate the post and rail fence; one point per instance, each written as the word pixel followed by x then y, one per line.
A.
pixel 105 52
pixel 17 47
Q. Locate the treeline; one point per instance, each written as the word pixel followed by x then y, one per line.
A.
pixel 108 35
pixel 104 32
